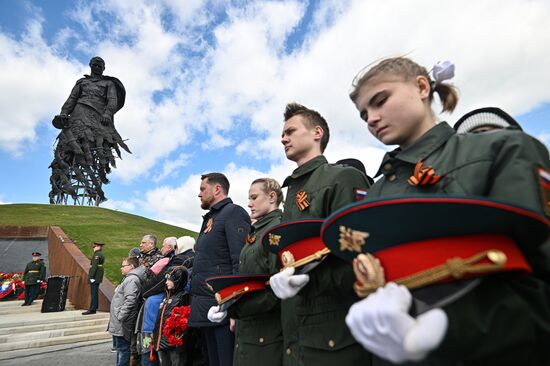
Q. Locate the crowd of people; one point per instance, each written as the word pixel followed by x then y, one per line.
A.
pixel 314 315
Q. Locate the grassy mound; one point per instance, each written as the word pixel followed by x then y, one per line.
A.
pixel 120 231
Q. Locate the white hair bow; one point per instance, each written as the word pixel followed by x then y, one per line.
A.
pixel 443 70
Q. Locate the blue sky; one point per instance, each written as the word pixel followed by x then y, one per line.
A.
pixel 207 82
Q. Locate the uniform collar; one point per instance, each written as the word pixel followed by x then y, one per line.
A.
pixel 306 168
pixel 423 147
pixel 266 219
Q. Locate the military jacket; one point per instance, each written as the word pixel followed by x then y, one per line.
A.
pixel 506 319
pixel 96 267
pixel 314 329
pixel 258 331
pixel 34 271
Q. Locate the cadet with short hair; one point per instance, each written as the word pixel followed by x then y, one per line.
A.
pixel 34 275
pixel 221 238
pixel 314 305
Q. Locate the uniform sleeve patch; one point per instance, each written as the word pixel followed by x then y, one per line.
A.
pixel 544 183
pixel 360 193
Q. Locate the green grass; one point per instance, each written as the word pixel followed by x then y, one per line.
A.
pixel 120 231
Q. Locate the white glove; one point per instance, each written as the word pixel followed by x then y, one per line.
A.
pixel 286 285
pixel 92 280
pixel 381 323
pixel 215 315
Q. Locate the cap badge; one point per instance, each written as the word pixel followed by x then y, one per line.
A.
pixel 301 200
pixel 287 259
pixel 209 225
pixel 352 240
pixel 423 175
pixel 274 239
pixel 369 274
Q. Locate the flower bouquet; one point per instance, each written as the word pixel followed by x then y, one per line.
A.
pixel 176 325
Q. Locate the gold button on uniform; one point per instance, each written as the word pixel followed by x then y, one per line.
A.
pixel 392 177
pixel 288 351
pixel 261 340
pixel 331 343
pixel 387 167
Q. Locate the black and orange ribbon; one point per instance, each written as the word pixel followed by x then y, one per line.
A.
pixel 423 175
pixel 301 200
pixel 250 239
pixel 209 225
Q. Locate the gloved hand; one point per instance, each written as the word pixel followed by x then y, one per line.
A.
pixel 381 323
pixel 39 281
pixel 286 284
pixel 92 280
pixel 215 315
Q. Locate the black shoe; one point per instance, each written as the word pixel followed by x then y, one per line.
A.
pixel 88 312
pixel 24 304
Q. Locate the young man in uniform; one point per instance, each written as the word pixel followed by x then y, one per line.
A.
pixel 95 276
pixel 35 274
pixel 314 305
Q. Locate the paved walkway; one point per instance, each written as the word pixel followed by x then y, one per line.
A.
pixel 98 354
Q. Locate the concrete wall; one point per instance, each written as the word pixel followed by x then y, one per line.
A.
pixel 65 259
pixel 23 231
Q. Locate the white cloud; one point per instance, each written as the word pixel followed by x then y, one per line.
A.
pixel 170 166
pixel 246 75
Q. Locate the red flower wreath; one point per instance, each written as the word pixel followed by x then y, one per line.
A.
pixel 176 325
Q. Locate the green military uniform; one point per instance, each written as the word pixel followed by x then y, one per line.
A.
pixel 34 271
pixel 258 332
pixel 95 276
pixel 313 323
pixel 506 319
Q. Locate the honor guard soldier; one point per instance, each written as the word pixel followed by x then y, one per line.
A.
pixel 505 318
pixel 315 304
pixel 35 274
pixel 95 276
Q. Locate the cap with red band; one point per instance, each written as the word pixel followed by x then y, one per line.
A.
pixel 296 243
pixel 231 287
pixel 427 240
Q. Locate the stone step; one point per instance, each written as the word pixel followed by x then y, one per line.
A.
pixel 37 318
pixel 35 343
pixel 52 326
pixel 17 354
pixel 63 332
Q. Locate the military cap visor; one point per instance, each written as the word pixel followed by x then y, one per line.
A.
pixel 36 254
pixel 99 244
pixel 296 243
pixel 229 288
pixel 412 236
pixel 400 220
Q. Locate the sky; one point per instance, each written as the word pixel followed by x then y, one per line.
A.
pixel 207 83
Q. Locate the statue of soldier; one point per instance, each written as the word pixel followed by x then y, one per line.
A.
pixel 88 135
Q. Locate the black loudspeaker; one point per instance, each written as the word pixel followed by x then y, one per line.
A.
pixel 56 294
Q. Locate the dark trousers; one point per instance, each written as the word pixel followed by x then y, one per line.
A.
pixel 94 295
pixel 122 351
pixel 31 291
pixel 219 343
pixel 172 358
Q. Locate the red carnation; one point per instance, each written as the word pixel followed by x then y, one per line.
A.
pixel 176 325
